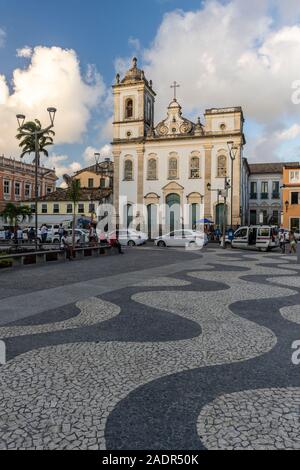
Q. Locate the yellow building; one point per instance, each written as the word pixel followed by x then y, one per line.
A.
pixel 291 196
pixel 96 184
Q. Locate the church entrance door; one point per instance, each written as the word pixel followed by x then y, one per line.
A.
pixel 173 212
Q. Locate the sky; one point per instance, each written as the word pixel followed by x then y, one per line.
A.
pixel 66 53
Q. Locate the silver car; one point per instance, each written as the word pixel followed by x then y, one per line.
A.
pixel 182 238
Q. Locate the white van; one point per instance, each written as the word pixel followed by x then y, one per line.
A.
pixel 261 237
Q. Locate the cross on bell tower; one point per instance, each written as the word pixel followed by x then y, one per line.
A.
pixel 175 86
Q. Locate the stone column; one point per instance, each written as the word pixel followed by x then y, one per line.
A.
pixel 117 175
pixel 208 172
pixel 140 183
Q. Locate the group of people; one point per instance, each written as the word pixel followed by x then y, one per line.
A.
pixel 287 239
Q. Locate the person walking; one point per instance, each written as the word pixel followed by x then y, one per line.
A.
pixel 19 234
pixel 282 241
pixel 44 233
pixel 293 243
pixel 61 232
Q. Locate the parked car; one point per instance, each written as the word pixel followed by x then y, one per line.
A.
pixel 130 237
pixel 182 238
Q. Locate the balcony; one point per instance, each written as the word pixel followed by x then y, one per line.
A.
pixel 253 196
pixel 275 195
pixel 264 196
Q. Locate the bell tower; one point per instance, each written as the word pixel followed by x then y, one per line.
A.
pixel 134 101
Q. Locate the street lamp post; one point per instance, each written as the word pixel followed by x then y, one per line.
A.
pixel 233 149
pixel 224 194
pixel 36 134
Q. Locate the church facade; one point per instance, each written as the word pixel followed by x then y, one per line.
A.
pixel 159 167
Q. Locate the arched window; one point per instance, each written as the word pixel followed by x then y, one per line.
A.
pixel 195 167
pixel 129 108
pixel 152 169
pixel 222 166
pixel 128 170
pixel 173 168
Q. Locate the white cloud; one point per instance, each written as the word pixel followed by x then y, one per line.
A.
pixel 2 37
pixel 232 54
pixel 89 153
pixel 290 134
pixel 52 78
pixel 25 52
pixel 62 164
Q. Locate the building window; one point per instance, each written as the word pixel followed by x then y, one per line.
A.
pixel 195 167
pixel 32 207
pixel 295 176
pixel 295 198
pixel 253 217
pixel 128 170
pixel 6 187
pixel 27 190
pixel 264 190
pixel 275 218
pixel 295 225
pixel 173 168
pixel 81 208
pixel 152 169
pixel 253 190
pixel 222 166
pixel 129 108
pixel 102 183
pixel 91 183
pixel 276 190
pixel 17 189
pixel 70 209
pixel 44 209
pixel 56 209
pixel 92 208
pixel 49 190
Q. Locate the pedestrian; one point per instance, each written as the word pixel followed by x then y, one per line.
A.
pixel 93 238
pixel 282 241
pixel 44 233
pixel 103 239
pixel 61 232
pixel 64 246
pixel 19 234
pixel 31 234
pixel 293 243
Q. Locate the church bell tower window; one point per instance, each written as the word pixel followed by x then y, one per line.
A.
pixel 129 108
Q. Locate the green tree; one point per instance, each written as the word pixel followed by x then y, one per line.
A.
pixel 27 142
pixel 74 195
pixel 15 215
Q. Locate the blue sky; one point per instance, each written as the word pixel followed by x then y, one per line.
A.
pixel 185 45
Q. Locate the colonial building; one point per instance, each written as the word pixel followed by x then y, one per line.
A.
pixel 291 196
pixel 96 184
pixel 98 176
pixel 17 181
pixel 170 163
pixel 266 201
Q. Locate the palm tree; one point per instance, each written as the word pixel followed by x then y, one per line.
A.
pixel 27 142
pixel 16 214
pixel 74 194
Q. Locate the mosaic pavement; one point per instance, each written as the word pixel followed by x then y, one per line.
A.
pixel 197 359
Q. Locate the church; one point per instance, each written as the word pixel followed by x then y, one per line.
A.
pixel 163 170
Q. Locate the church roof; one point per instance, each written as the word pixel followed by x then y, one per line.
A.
pixel 176 125
pixel 133 75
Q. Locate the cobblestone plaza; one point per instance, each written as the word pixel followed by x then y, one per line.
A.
pixel 155 350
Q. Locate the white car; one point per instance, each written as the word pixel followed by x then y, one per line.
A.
pixel 182 238
pixel 130 237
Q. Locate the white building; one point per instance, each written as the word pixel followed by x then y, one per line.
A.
pixel 265 195
pixel 171 163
